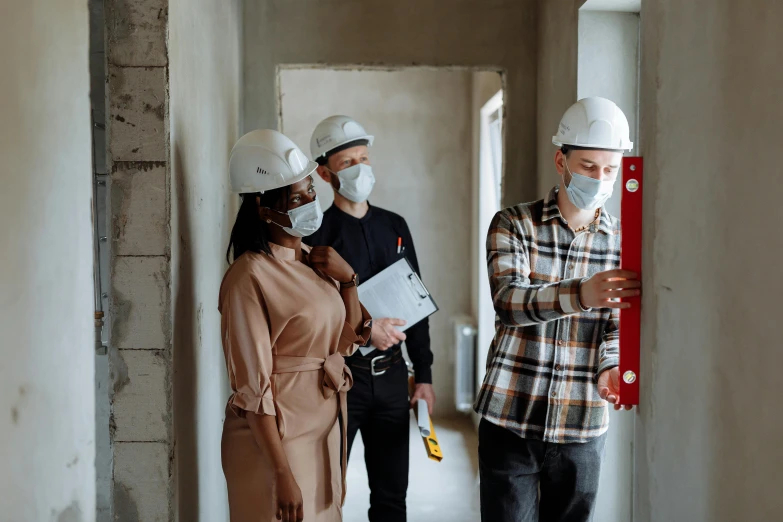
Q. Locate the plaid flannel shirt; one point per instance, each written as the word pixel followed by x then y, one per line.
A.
pixel 548 350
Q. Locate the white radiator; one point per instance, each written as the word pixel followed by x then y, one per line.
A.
pixel 465 334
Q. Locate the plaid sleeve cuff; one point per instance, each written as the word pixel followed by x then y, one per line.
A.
pixel 607 364
pixel 569 296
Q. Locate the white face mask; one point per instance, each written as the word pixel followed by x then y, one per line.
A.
pixel 305 220
pixel 356 182
pixel 588 193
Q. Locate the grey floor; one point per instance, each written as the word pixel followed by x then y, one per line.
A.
pixel 438 491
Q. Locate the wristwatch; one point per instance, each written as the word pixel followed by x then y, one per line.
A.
pixel 353 282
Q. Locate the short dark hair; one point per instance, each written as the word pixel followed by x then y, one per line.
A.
pixel 324 158
pixel 249 233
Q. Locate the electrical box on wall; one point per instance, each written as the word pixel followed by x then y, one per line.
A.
pixel 631 259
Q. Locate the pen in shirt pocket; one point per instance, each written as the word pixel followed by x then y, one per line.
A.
pixel 399 245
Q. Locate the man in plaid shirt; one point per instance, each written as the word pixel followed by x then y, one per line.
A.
pixel 556 288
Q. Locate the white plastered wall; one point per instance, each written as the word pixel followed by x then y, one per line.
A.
pixel 422 162
pixel 47 431
pixel 204 54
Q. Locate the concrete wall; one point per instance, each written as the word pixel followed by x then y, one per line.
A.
pixel 47 431
pixel 609 67
pixel 557 80
pixel 204 40
pixel 140 294
pixel 496 34
pixel 708 445
pixel 422 160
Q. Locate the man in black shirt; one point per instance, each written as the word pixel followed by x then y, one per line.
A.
pixel 371 239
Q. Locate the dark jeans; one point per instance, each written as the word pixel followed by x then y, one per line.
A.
pixel 378 406
pixel 512 470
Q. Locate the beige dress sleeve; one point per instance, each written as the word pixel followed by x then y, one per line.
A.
pixel 350 339
pixel 249 350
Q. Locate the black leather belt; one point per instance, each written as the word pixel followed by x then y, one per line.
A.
pixel 375 365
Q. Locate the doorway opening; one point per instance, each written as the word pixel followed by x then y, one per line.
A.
pixel 490 170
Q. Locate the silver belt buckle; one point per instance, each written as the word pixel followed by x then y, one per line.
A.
pixel 373 371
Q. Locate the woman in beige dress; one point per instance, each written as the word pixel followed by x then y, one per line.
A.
pixel 289 315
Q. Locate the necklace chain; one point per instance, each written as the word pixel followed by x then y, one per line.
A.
pixel 597 214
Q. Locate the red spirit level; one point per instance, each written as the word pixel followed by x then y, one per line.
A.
pixel 631 259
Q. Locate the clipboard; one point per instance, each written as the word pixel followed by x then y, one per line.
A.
pixel 398 292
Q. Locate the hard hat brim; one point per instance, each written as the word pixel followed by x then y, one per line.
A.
pixel 591 146
pixel 337 145
pixel 308 171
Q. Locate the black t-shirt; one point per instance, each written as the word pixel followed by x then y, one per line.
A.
pixel 369 245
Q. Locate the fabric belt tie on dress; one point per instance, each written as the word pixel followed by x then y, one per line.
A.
pixel 337 380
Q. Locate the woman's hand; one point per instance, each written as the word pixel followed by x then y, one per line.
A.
pixel 327 260
pixel 289 498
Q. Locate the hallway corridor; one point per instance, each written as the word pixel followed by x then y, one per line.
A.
pixel 117 207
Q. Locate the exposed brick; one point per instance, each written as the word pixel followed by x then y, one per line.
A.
pixel 140 410
pixel 137 114
pixel 138 207
pixel 141 482
pixel 140 302
pixel 136 32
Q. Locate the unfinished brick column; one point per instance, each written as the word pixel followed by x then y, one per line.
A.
pixel 140 347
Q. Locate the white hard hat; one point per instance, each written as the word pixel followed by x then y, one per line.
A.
pixel 265 160
pixel 594 123
pixel 334 132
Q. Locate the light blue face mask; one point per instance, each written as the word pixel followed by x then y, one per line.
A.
pixel 305 220
pixel 356 182
pixel 588 193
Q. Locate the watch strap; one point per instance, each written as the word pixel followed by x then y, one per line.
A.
pixel 353 282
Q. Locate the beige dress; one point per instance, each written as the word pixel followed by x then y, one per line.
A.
pixel 284 337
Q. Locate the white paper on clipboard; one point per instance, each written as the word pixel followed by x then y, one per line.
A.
pixel 397 292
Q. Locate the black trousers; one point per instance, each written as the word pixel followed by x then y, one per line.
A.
pixel 512 470
pixel 379 408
